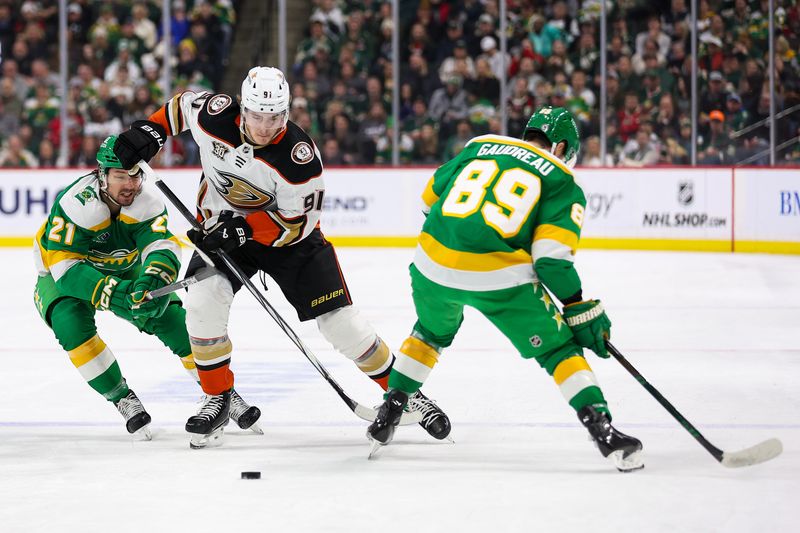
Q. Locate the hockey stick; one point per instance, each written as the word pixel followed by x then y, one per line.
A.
pixel 182 284
pixel 360 410
pixel 764 451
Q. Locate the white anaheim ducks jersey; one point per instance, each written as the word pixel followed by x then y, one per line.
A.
pixel 278 187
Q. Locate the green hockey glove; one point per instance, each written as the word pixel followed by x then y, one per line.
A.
pixel 156 274
pixel 141 307
pixel 111 294
pixel 589 324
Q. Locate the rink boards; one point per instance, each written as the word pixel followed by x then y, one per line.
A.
pixel 705 209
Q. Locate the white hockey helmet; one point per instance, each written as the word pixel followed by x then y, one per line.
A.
pixel 265 90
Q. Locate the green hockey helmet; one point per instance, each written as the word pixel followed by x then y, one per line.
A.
pixel 557 124
pixel 107 159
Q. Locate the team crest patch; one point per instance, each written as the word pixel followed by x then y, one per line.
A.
pixel 219 149
pixel 218 103
pixel 302 153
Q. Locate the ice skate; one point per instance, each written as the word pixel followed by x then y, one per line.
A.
pixel 381 431
pixel 624 451
pixel 243 414
pixel 209 423
pixel 434 420
pixel 137 420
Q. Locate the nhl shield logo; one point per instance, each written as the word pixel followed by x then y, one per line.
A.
pixel 536 341
pixel 685 192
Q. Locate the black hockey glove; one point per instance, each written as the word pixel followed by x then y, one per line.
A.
pixel 142 141
pixel 227 234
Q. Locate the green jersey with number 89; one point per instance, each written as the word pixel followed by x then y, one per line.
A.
pixel 502 213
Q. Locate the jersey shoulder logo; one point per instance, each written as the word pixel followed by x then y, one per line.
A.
pixel 218 103
pixel 86 195
pixel 219 149
pixel 302 153
pixel 239 192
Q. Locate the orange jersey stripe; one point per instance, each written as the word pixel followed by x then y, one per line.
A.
pixel 265 230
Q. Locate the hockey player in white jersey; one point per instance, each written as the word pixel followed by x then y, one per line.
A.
pixel 260 200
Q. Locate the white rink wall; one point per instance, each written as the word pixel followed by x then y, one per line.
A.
pixel 702 209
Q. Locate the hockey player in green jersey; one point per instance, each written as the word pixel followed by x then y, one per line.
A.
pixel 503 222
pixel 104 245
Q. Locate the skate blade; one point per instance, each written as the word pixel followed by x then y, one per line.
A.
pixel 373 452
pixel 255 428
pixel 631 463
pixel 212 440
pixel 143 433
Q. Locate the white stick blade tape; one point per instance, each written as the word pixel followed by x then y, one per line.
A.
pixel 769 449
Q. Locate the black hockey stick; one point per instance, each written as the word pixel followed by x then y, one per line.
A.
pixel 360 410
pixel 764 451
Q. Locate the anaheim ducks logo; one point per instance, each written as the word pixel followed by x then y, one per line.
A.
pixel 239 192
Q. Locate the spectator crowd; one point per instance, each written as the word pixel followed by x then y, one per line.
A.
pixel 115 57
pixel 449 80
pixel 451 66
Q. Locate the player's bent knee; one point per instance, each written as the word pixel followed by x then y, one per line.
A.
pixel 208 306
pixel 349 333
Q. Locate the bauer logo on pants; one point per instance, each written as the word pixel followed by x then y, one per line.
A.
pixel 322 299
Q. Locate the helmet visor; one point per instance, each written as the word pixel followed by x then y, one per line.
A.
pixel 263 127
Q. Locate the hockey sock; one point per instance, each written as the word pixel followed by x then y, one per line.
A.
pixel 414 363
pixel 579 385
pixel 377 363
pixel 99 368
pixel 213 358
pixel 188 363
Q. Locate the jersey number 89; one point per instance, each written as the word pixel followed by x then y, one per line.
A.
pixel 515 192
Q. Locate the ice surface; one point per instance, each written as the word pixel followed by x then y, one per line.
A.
pixel 717 334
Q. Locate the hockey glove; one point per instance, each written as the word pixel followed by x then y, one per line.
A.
pixel 227 234
pixel 112 294
pixel 590 325
pixel 156 274
pixel 142 141
pixel 141 307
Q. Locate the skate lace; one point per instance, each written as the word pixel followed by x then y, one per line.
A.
pixel 211 408
pixel 425 406
pixel 129 406
pixel 238 406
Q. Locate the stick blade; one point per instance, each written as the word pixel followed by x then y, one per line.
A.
pixel 407 419
pixel 769 449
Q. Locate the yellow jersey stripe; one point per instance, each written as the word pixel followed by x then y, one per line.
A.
pixel 87 351
pixel 419 351
pixel 53 257
pixel 564 236
pixel 103 225
pixel 126 219
pixel 475 262
pixel 568 367
pixel 428 196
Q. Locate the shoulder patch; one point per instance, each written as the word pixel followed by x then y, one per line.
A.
pixel 302 153
pixel 217 103
pixel 80 203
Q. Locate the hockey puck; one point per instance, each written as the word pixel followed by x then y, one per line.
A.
pixel 251 475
